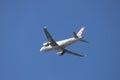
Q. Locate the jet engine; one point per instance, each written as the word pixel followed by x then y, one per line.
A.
pixel 46 44
pixel 60 53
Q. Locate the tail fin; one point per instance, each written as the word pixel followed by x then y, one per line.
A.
pixel 79 35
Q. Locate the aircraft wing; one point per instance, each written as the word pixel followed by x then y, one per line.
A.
pixel 73 53
pixel 49 37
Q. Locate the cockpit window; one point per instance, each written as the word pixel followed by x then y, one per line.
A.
pixel 45 44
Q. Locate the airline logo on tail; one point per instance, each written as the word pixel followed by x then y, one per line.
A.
pixel 79 34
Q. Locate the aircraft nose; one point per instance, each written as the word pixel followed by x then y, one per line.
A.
pixel 42 49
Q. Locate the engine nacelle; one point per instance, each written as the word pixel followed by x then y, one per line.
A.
pixel 60 53
pixel 46 44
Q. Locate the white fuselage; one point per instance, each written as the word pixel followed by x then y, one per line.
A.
pixel 62 44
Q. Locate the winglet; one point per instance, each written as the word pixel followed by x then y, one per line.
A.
pixel 45 27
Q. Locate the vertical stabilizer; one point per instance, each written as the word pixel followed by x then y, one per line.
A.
pixel 79 34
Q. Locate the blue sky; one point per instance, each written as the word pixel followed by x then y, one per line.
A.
pixel 21 31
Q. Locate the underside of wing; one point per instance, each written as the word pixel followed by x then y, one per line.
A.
pixel 73 53
pixel 49 37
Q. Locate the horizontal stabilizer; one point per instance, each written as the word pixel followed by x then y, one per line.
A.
pixel 83 40
pixel 74 34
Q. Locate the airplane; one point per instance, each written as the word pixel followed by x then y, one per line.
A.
pixel 61 45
